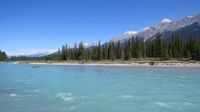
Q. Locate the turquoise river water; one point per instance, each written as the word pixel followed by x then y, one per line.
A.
pixel 51 88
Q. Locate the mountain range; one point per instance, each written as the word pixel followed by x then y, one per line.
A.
pixel 186 27
pixel 38 53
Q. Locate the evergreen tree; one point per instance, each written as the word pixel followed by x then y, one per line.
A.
pixel 113 53
pixel 165 52
pixel 127 50
pixel 81 51
pixel 132 48
pixel 88 54
pixel 75 52
pixel 177 46
pixel 99 53
pixel 109 56
pixel 94 53
pixel 66 52
pixel 138 48
pixel 170 50
pixel 3 56
pixel 119 51
pixel 158 46
pixel 105 51
pixel 194 48
pixel 63 53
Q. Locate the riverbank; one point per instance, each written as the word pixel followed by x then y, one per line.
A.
pixel 118 63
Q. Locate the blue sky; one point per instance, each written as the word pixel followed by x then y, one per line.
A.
pixel 31 25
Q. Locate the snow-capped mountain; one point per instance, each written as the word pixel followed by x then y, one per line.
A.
pixel 126 35
pixel 165 27
pixel 87 45
pixel 166 20
pixel 41 53
pixel 37 53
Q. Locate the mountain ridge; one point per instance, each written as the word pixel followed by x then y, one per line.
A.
pixel 164 26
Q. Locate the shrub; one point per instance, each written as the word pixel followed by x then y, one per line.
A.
pixel 151 63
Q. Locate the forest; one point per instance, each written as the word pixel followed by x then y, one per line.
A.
pixel 133 48
pixel 3 56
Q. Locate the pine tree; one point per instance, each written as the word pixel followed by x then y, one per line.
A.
pixel 177 46
pixel 158 46
pixel 170 50
pixel 138 48
pixel 88 54
pixel 194 48
pixel 94 53
pixel 104 51
pixel 109 56
pixel 113 53
pixel 165 53
pixel 75 52
pixel 119 51
pixel 81 51
pixel 127 50
pixel 132 48
pixel 3 56
pixel 66 52
pixel 63 53
pixel 99 53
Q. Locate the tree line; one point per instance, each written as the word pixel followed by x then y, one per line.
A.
pixel 3 56
pixel 24 58
pixel 134 47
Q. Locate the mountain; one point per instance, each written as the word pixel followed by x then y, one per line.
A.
pixel 38 53
pixel 187 26
pixel 191 30
pixel 126 35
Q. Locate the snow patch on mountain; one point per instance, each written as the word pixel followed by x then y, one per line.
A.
pixel 126 35
pixel 40 53
pixel 85 44
pixel 166 20
pixel 130 32
pixel 146 28
pixel 36 52
pixel 190 16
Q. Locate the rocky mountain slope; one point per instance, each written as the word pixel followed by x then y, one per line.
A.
pixel 187 26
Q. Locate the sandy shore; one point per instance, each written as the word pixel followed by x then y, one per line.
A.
pixel 136 64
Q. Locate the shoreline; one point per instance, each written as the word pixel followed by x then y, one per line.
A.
pixel 131 64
